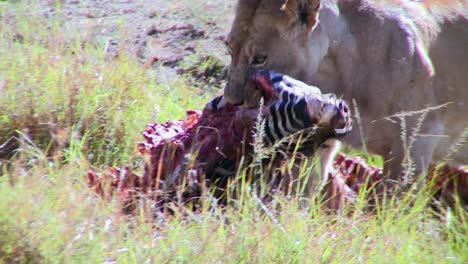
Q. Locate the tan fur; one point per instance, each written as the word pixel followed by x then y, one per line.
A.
pixel 389 55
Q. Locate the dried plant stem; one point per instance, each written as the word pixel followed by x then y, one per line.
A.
pixel 357 115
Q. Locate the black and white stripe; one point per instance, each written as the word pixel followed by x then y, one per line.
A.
pixel 296 107
pixel 216 103
pixel 289 114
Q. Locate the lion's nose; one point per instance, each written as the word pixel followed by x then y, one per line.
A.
pixel 232 94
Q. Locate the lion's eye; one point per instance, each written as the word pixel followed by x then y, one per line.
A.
pixel 259 61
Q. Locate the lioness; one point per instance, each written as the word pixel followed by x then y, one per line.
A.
pixel 391 56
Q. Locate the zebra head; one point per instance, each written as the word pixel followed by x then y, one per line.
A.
pixel 292 106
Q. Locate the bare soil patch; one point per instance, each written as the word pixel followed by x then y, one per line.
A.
pixel 177 37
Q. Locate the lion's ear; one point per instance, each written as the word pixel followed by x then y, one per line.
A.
pixel 304 12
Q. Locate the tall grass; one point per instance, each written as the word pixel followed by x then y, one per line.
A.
pixel 65 106
pixel 49 213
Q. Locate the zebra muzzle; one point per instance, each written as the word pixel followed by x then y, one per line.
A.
pixel 341 121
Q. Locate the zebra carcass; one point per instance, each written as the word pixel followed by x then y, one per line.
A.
pixel 212 146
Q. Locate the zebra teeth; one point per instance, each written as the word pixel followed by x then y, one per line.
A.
pixel 341 131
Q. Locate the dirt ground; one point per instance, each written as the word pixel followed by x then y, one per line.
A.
pixel 176 37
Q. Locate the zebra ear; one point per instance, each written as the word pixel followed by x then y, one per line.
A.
pixel 302 12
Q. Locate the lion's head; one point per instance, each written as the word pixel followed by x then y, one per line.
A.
pixel 260 32
pixel 411 53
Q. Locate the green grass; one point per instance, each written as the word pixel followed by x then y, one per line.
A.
pixel 70 108
pixel 50 212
